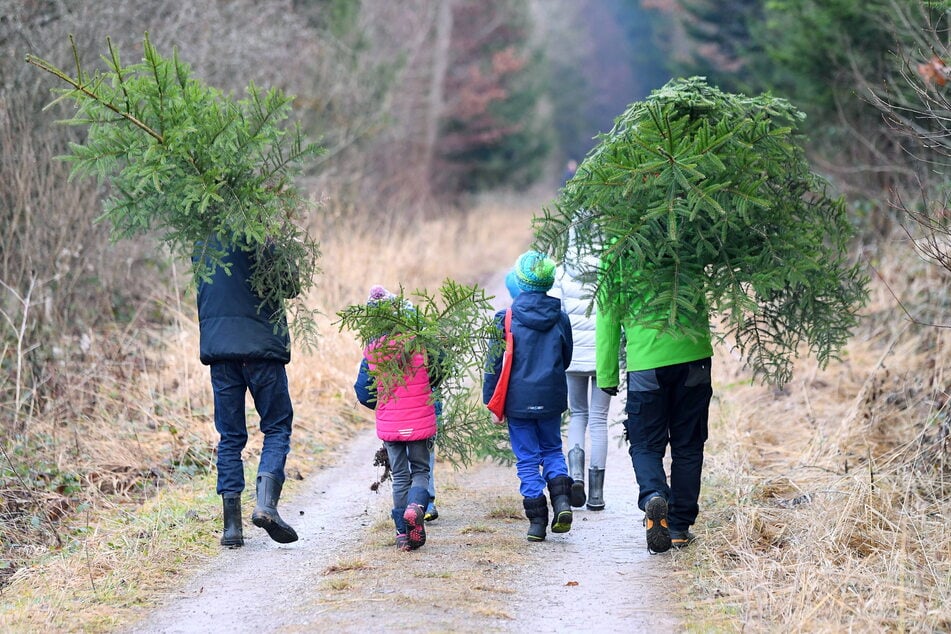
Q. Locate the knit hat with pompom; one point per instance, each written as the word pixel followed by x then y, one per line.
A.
pixel 534 272
pixel 378 294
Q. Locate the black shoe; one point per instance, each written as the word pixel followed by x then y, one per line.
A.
pixel 265 514
pixel 232 536
pixel 578 497
pixel 595 489
pixel 536 510
pixel 681 539
pixel 431 512
pixel 576 473
pixel 560 490
pixel 655 519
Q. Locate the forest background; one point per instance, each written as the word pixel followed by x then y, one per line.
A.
pixel 446 120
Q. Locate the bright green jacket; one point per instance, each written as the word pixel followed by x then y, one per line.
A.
pixel 647 348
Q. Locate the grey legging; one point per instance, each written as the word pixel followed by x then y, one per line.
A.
pixel 409 464
pixel 593 419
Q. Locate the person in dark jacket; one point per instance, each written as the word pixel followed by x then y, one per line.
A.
pixel 537 393
pixel 246 348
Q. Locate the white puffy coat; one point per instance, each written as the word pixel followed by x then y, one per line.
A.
pixel 575 300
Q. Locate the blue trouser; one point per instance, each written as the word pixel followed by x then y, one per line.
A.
pixel 536 443
pixel 431 489
pixel 267 382
pixel 409 469
pixel 669 405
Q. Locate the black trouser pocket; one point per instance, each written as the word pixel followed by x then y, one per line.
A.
pixel 698 373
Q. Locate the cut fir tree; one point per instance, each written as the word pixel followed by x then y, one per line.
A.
pixel 700 200
pixel 453 329
pixel 203 170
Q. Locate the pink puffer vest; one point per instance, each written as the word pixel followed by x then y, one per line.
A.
pixel 407 412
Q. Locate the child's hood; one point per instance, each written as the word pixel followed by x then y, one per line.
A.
pixel 537 311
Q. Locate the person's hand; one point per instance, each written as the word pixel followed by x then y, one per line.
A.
pixel 497 420
pixel 611 391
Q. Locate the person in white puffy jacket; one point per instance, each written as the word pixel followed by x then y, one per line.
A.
pixel 587 404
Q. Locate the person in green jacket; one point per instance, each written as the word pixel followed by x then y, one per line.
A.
pixel 668 399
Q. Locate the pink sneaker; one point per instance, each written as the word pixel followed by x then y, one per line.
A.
pixel 415 529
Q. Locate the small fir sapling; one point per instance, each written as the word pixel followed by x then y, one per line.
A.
pixel 454 328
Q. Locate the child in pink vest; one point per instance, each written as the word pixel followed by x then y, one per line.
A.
pixel 405 422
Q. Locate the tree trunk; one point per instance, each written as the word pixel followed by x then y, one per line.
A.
pixel 443 39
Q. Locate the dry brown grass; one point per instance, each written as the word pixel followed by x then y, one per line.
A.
pixel 140 432
pixel 826 504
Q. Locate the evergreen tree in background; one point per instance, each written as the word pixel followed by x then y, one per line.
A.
pixel 188 162
pixel 829 57
pixel 705 198
pixel 493 133
pixel 723 48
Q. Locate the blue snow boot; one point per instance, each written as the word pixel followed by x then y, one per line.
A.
pixel 402 538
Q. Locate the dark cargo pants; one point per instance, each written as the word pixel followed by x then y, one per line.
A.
pixel 669 406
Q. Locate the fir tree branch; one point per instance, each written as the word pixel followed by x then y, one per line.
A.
pixel 80 86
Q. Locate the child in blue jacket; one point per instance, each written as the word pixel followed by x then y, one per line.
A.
pixel 537 393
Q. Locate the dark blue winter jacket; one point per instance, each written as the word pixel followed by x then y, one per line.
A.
pixel 232 327
pixel 542 333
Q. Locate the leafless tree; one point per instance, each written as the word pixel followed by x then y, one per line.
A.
pixel 916 104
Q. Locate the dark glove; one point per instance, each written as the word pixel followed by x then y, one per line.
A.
pixel 612 391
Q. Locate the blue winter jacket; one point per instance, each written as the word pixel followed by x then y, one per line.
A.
pixel 231 325
pixel 542 333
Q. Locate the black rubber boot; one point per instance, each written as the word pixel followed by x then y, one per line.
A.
pixel 596 489
pixel 536 510
pixel 265 512
pixel 576 471
pixel 232 535
pixel 560 489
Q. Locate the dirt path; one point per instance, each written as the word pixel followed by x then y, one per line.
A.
pixel 598 577
pixel 262 586
pixel 476 573
pixel 620 586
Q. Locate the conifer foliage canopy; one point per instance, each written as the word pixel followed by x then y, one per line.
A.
pixel 182 159
pixel 701 199
pixel 454 328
